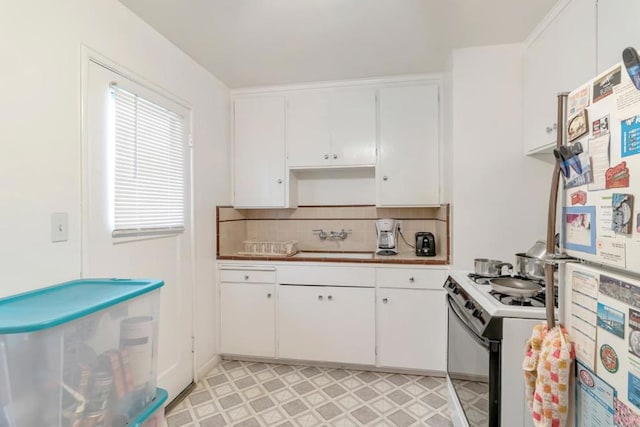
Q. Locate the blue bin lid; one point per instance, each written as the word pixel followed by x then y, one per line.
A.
pixel 52 306
pixel 156 403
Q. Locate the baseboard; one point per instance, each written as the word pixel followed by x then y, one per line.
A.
pixel 207 367
pixel 352 366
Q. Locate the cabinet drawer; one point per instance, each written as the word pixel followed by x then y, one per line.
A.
pixel 248 276
pixel 330 276
pixel 413 278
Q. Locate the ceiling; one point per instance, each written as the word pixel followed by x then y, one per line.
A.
pixel 264 42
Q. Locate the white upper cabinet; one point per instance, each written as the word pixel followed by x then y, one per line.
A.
pixel 408 172
pixel 559 59
pixel 260 177
pixel 331 128
pixel 617 29
pixel 353 127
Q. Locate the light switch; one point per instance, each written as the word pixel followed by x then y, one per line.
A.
pixel 59 225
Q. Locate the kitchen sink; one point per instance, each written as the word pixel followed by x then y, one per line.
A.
pixel 349 255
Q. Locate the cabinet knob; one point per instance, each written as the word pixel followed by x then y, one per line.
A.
pixel 269 295
pixel 246 277
pixel 385 300
pixel 320 297
pixel 550 129
pixel 411 279
pixel 330 297
pixel 335 156
pixel 384 178
pixel 279 181
pixel 326 156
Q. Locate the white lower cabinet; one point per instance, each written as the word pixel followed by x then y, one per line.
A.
pixel 327 323
pixel 247 322
pixel 412 329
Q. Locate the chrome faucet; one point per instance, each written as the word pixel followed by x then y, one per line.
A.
pixel 332 235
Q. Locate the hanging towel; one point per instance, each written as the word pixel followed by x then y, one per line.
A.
pixel 546 365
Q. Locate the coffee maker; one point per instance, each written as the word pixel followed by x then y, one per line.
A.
pixel 387 233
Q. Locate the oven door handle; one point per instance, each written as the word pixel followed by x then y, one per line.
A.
pixel 480 340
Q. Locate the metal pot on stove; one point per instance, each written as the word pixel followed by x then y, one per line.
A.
pixel 490 267
pixel 529 267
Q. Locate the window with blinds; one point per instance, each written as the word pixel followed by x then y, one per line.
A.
pixel 149 166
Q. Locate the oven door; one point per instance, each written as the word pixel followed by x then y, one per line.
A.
pixel 473 367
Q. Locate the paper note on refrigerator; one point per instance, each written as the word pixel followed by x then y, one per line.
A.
pixel 584 306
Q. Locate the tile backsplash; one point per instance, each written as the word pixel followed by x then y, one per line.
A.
pixel 236 225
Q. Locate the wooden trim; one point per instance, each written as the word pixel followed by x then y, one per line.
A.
pixel 448 235
pixel 218 231
pixel 390 260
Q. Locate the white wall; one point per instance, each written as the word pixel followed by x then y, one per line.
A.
pixel 40 133
pixel 499 196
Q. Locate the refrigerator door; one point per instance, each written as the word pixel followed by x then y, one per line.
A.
pixel 599 216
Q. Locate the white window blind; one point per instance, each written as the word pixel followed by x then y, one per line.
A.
pixel 149 169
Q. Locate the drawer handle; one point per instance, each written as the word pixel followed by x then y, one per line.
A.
pixel 279 181
pixel 330 298
pixel 411 279
pixel 384 178
pixel 335 156
pixel 326 156
pixel 246 277
pixel 268 295
pixel 320 297
pixel 385 300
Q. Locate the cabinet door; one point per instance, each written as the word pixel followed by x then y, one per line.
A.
pixel 247 321
pixel 302 322
pixel 353 127
pixel 408 170
pixel 259 167
pixel 350 325
pixel 412 325
pixel 617 29
pixel 561 58
pixel 308 129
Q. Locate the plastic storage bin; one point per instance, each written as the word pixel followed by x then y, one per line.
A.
pixel 79 354
pixel 153 415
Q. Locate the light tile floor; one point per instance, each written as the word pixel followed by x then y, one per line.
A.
pixel 246 394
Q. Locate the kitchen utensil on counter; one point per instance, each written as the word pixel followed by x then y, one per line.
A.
pixel 530 267
pixel 515 287
pixel 387 237
pixel 425 244
pixel 490 267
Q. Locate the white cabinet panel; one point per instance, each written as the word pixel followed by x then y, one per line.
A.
pixel 326 323
pixel 353 127
pixel 408 170
pixel 326 275
pixel 617 29
pixel 247 276
pixel 308 129
pixel 247 319
pixel 351 325
pixel 302 323
pixel 412 329
pixel 562 57
pixel 412 278
pixel 259 149
pixel 331 128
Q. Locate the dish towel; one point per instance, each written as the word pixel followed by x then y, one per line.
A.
pixel 547 362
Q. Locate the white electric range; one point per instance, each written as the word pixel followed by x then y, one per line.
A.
pixel 487 333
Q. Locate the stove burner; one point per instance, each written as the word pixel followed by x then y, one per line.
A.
pixel 484 280
pixel 534 301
